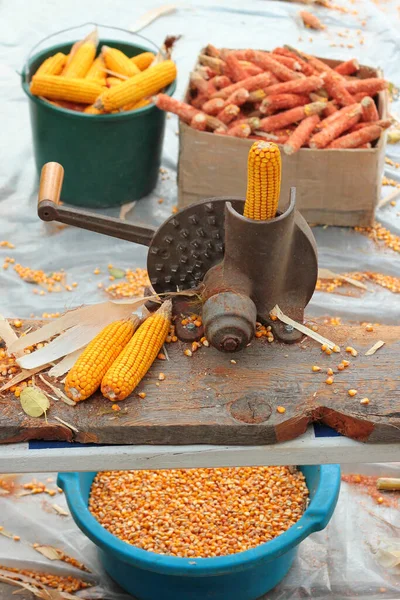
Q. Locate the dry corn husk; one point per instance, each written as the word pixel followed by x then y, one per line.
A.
pixel 327 274
pixel 374 348
pixel 65 364
pixel 7 333
pixel 24 374
pixel 151 15
pixel 276 311
pixel 60 395
pixel 49 552
pixel 79 327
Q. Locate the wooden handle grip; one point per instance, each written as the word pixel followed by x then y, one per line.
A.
pixel 51 180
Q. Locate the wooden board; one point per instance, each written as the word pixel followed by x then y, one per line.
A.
pixel 207 399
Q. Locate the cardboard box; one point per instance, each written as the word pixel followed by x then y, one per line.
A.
pixel 334 187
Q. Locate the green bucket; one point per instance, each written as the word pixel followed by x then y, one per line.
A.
pixel 109 160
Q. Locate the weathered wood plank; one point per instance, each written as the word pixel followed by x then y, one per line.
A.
pixel 208 400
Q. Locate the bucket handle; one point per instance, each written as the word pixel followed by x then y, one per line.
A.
pixel 50 209
pixel 51 35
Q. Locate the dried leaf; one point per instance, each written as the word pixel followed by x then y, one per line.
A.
pixel 116 273
pixel 60 511
pixel 276 311
pixel 65 364
pixel 49 552
pixel 58 392
pixel 374 348
pixel 24 374
pixel 67 424
pixel 34 402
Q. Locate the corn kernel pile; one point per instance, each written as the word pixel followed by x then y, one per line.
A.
pixel 67 584
pixel 199 512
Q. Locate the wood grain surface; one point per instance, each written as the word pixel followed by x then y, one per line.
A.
pixel 207 399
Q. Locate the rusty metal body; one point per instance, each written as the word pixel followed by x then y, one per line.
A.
pixel 243 267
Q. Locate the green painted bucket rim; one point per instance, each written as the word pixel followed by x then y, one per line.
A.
pixel 80 115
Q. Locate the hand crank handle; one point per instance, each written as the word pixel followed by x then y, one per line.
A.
pixel 49 209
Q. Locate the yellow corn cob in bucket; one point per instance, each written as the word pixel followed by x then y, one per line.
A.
pixel 52 65
pixel 147 83
pixel 136 105
pixel 138 355
pixel 143 60
pixel 81 61
pixel 54 87
pixel 85 376
pixel 263 181
pixel 97 71
pixel 111 81
pixel 118 62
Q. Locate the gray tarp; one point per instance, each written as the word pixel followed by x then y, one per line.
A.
pixel 338 563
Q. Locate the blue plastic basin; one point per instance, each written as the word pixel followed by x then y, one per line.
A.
pixel 243 576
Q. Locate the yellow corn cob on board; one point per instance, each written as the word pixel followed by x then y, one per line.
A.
pixel 263 181
pixel 138 355
pixel 85 376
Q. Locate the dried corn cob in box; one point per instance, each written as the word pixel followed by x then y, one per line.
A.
pixel 298 101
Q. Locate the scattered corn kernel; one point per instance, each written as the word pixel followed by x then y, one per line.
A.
pixel 188 352
pixel 116 407
pixel 364 401
pixel 345 363
pixel 335 348
pixel 330 372
pixel 329 380
pixel 315 369
pixel 369 328
pixel 352 392
pixel 161 377
pixel 96 271
pixel 340 367
pixel 142 395
pixel 161 356
pixel 281 409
